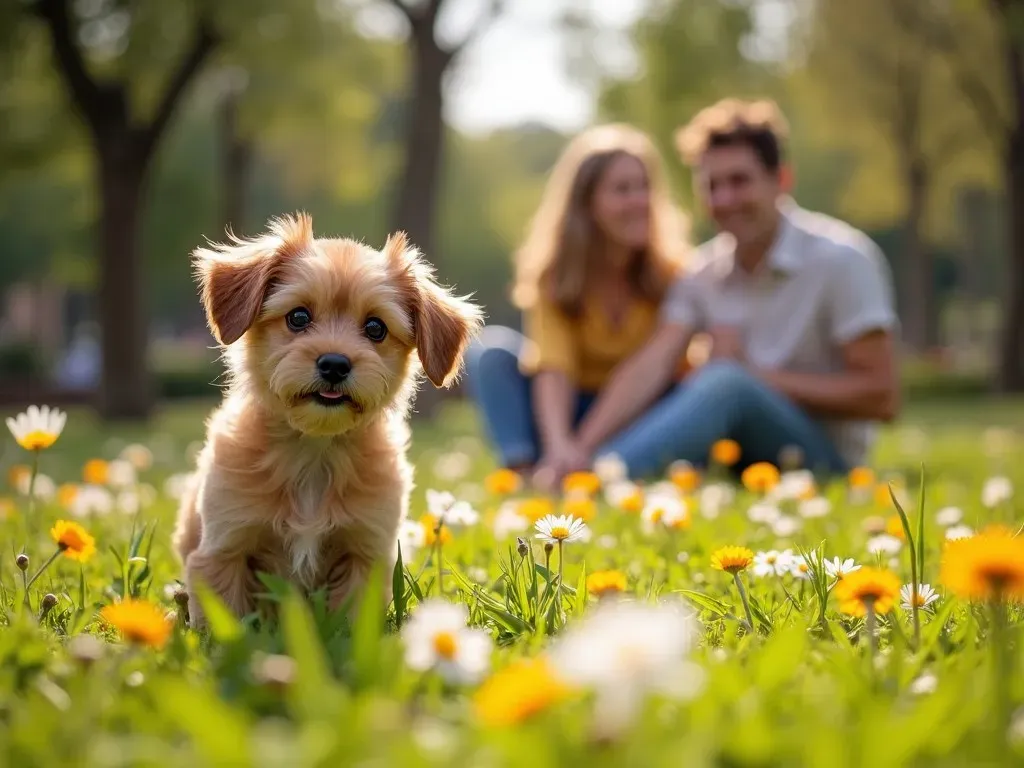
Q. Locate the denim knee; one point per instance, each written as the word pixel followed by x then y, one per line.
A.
pixel 494 351
pixel 722 376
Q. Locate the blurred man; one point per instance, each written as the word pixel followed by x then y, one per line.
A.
pixel 799 307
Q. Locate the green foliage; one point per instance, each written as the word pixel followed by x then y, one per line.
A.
pixel 298 684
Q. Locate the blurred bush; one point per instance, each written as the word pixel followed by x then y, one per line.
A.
pixel 20 359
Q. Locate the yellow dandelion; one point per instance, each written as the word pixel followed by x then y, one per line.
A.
pixel 583 507
pixel 533 509
pixel 37 428
pixel 139 622
pixel 66 494
pixel 502 482
pixel 96 472
pixel 988 565
pixel 882 496
pixel 725 452
pixel 861 477
pixel 519 691
pixel 732 559
pixel 633 501
pixel 73 540
pixel 581 483
pixel 760 477
pixel 601 583
pixel 429 523
pixel 877 587
pixel 686 479
pixel 6 508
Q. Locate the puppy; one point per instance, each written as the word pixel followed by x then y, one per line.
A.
pixel 304 471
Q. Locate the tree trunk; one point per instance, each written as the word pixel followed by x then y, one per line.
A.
pixel 236 159
pixel 919 267
pixel 125 389
pixel 415 211
pixel 1011 368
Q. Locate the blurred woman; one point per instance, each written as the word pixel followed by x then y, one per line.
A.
pixel 601 251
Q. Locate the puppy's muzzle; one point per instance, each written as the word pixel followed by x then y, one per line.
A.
pixel 333 368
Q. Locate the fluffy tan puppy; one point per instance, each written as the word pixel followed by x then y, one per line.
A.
pixel 304 472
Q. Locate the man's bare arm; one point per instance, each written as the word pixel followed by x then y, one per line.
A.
pixel 868 388
pixel 634 386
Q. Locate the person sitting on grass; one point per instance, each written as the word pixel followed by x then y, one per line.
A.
pixel 799 308
pixel 603 248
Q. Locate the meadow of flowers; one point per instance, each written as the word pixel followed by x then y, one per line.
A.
pixel 712 617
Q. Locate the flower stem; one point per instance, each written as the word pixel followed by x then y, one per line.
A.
pixel 743 598
pixel 30 521
pixel 869 625
pixel 42 568
pixel 561 563
pixel 1002 663
pixel 438 545
pixel 915 610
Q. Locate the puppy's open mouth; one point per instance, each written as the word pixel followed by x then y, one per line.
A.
pixel 330 399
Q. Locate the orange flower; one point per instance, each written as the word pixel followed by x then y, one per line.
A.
pixel 18 476
pixel 533 509
pixel 66 494
pixel 685 478
pixel 502 482
pixel 877 587
pixel 582 507
pixel 760 477
pixel 861 477
pixel 581 482
pixel 894 527
pixel 732 559
pixel 73 540
pixel 429 523
pixel 988 565
pixel 96 472
pixel 725 452
pixel 139 622
pixel 601 583
pixel 521 690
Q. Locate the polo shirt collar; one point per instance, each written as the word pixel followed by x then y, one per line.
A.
pixel 783 257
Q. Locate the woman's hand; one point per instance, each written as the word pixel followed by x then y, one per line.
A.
pixel 556 464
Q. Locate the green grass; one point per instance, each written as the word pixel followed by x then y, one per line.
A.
pixel 303 687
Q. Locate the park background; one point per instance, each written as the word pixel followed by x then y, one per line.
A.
pixel 132 130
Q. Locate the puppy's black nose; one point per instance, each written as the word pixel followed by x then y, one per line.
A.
pixel 333 367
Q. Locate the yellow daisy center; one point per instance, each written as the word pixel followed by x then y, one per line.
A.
pixel 559 532
pixel 445 645
pixel 37 440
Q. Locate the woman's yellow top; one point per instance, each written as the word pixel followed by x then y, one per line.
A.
pixel 586 348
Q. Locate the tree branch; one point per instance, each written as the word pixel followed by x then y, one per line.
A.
pixel 483 23
pixel 204 41
pixel 84 91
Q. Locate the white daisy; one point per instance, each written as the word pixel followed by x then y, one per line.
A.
pixel 461 513
pixel 437 637
pixel 798 567
pixel 121 474
pixel 91 500
pixel 411 535
pixel 818 506
pixel 763 512
pixel 452 466
pixel 439 502
pixel 793 485
pixel 959 532
pixel 626 650
pixel 662 509
pixel 176 485
pixel 786 525
pixel 610 469
pixel 925 596
pixel 885 544
pixel 995 491
pixel 44 488
pixel 37 428
pixel 561 528
pixel 772 563
pixel 509 521
pixel 948 516
pixel 836 568
pixel 713 498
pixel 620 493
pixel 138 455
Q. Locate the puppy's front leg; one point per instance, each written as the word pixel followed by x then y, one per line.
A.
pixel 228 575
pixel 347 579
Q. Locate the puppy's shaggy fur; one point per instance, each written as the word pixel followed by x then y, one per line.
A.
pixel 304 473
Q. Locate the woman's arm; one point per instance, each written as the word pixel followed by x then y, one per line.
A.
pixel 634 386
pixel 554 400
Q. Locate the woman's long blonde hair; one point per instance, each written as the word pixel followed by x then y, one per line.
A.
pixel 553 261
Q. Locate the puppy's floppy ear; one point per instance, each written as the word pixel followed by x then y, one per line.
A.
pixel 234 278
pixel 444 324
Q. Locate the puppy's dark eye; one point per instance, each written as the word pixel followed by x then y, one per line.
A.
pixel 375 329
pixel 298 319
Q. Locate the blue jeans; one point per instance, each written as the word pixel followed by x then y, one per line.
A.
pixel 720 400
